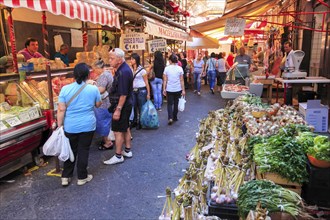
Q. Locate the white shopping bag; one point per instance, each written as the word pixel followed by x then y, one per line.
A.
pixel 66 151
pixel 58 145
pixel 51 147
pixel 182 102
pixel 111 136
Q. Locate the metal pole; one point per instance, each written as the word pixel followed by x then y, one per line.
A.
pixel 12 39
pixel 45 34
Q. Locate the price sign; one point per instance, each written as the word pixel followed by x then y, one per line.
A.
pixel 24 116
pixel 33 113
pixel 13 121
pixel 2 126
pixel 5 106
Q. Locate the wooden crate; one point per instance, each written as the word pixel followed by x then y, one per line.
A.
pixel 285 183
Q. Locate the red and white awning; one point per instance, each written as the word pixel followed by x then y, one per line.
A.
pixel 96 11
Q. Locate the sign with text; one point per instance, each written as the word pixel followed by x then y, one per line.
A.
pixel 133 41
pixel 235 26
pixel 158 44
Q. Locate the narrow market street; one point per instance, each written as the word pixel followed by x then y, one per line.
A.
pixel 124 191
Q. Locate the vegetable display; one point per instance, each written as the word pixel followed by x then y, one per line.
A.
pixel 282 154
pixel 320 148
pixel 271 196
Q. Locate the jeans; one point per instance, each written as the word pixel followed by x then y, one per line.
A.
pixel 80 143
pixel 156 85
pixel 139 99
pixel 211 74
pixel 197 81
pixel 172 104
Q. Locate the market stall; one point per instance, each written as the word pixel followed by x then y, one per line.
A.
pixel 29 97
pixel 252 157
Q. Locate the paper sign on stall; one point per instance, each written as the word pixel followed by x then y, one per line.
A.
pixel 24 116
pixel 133 41
pixel 235 26
pixel 158 44
pixel 58 41
pixel 76 38
pixel 33 113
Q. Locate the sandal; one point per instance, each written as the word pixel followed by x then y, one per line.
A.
pixel 102 147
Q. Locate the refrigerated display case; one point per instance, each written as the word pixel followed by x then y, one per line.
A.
pixel 26 116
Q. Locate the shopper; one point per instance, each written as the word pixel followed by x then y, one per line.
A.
pixel 173 87
pixel 76 114
pixel 211 71
pixel 141 89
pixel 121 91
pixel 205 59
pixel 183 59
pixel 103 116
pixel 158 67
pixel 222 67
pixel 30 50
pixel 230 59
pixel 198 70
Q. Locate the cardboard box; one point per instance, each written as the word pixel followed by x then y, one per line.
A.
pixel 315 114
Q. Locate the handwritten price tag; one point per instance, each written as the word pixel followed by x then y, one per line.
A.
pixel 24 116
pixel 2 126
pixel 13 121
pixel 5 106
pixel 33 113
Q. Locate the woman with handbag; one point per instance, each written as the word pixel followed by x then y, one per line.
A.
pixel 211 71
pixel 222 67
pixel 76 114
pixel 173 87
pixel 197 70
pixel 103 116
pixel 156 81
pixel 141 89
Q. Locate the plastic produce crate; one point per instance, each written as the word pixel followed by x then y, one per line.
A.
pixel 317 190
pixel 223 211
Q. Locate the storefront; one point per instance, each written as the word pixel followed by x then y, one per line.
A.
pixel 27 105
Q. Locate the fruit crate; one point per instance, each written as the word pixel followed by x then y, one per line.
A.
pixel 285 183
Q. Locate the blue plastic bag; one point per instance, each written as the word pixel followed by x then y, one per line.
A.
pixel 149 116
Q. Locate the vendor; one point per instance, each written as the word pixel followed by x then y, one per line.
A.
pixel 63 54
pixel 242 58
pixel 30 50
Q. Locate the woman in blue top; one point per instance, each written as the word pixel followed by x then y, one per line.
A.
pixel 211 71
pixel 79 122
pixel 197 70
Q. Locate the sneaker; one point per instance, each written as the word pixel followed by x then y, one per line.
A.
pixel 114 160
pixel 195 91
pixel 212 91
pixel 198 93
pixel 125 154
pixel 83 181
pixel 170 122
pixel 159 109
pixel 65 181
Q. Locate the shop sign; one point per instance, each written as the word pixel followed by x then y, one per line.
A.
pixel 161 30
pixel 235 26
pixel 14 121
pixel 158 44
pixel 2 126
pixel 133 41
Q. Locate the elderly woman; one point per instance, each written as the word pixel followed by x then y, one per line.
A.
pixel 173 87
pixel 103 116
pixel 76 115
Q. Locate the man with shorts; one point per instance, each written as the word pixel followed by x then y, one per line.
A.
pixel 122 88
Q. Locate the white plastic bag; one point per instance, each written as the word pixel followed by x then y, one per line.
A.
pixel 58 145
pixel 66 151
pixel 182 102
pixel 111 136
pixel 51 147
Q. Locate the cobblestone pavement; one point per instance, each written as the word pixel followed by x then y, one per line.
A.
pixel 124 191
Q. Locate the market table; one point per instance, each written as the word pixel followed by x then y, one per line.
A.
pixel 285 82
pixel 268 83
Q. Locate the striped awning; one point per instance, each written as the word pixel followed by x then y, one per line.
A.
pixel 96 11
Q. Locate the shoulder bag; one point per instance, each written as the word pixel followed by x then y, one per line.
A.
pixel 75 95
